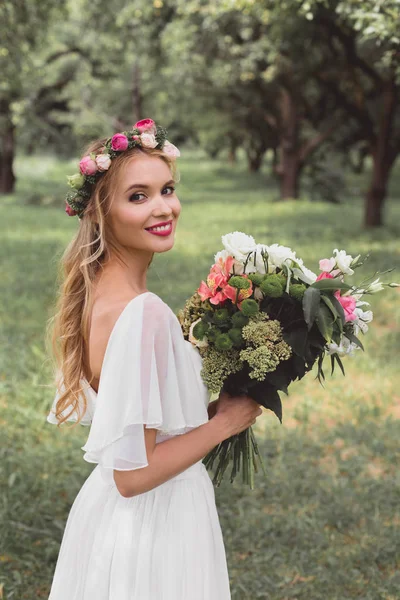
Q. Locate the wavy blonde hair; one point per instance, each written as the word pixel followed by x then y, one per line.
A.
pixel 67 331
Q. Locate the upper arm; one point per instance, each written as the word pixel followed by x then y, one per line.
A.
pixel 124 480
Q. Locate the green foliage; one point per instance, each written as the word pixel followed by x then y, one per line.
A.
pixel 272 286
pixel 249 307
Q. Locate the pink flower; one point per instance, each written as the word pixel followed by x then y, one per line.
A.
pixel 170 150
pixel 327 264
pixel 148 140
pixel 348 304
pixel 145 125
pixel 324 275
pixel 119 142
pixel 87 166
pixel 217 280
pixel 69 210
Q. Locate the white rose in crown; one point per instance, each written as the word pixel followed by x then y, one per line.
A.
pixel 148 140
pixel 170 149
pixel 343 261
pixel 103 162
pixel 239 245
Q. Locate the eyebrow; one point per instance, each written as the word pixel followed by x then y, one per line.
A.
pixel 145 186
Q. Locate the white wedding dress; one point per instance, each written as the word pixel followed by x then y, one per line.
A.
pixel 164 544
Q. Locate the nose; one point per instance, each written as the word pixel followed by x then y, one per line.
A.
pixel 163 206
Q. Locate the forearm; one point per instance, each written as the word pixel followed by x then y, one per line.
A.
pixel 173 456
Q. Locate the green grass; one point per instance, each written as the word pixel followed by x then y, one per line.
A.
pixel 324 525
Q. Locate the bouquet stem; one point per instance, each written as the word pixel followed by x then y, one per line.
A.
pixel 243 451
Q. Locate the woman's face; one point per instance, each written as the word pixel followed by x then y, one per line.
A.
pixel 145 197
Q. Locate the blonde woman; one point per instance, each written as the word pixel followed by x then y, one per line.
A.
pixel 144 525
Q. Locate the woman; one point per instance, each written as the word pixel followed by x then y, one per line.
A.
pixel 144 525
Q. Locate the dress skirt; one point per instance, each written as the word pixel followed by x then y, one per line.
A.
pixel 164 544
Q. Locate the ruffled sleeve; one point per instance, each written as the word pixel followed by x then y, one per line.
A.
pixel 148 379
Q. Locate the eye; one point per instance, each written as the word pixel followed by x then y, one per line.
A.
pixel 170 187
pixel 132 197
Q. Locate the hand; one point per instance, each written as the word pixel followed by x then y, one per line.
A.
pixel 236 413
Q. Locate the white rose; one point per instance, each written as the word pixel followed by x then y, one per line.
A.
pixel 260 267
pixel 343 261
pixel 148 140
pixel 304 275
pixel 103 161
pixel 170 150
pixel 199 343
pixel 238 244
pixel 279 254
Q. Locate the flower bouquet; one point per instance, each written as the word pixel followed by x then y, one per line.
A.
pixel 261 320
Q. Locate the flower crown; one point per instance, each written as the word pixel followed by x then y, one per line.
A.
pixel 92 166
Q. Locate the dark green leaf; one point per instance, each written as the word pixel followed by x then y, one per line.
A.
pixel 325 322
pixel 339 362
pixel 311 301
pixel 330 284
pixel 354 339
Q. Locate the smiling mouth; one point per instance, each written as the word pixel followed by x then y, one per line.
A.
pixel 163 229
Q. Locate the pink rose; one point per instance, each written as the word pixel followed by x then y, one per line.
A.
pixel 87 166
pixel 145 125
pixel 69 210
pixel 119 142
pixel 324 275
pixel 103 161
pixel 348 304
pixel 327 264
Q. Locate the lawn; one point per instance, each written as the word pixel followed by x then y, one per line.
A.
pixel 325 523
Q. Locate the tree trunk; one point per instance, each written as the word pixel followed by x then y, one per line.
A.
pixel 383 156
pixel 290 178
pixel 233 145
pixel 137 100
pixel 7 148
pixel 289 167
pixel 254 159
pixel 376 194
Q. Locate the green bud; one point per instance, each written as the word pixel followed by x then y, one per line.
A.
pixel 239 320
pixel 223 342
pixel 76 181
pixel 297 291
pixel 256 278
pixel 212 333
pixel 249 307
pixel 272 286
pixel 221 316
pixel 240 283
pixel 236 336
pixel 199 330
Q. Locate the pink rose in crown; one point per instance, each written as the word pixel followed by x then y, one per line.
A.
pixel 119 142
pixel 348 304
pixel 145 125
pixel 69 210
pixel 87 166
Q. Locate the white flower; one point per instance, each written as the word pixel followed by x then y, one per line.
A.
pixel 170 149
pixel 304 274
pixel 238 244
pixel 375 286
pixel 199 343
pixel 279 254
pixel 363 317
pixel 260 266
pixel 148 140
pixel 346 347
pixel 103 161
pixel 343 261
